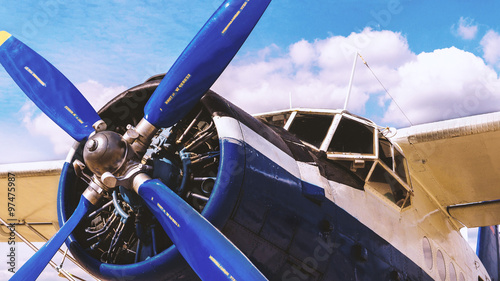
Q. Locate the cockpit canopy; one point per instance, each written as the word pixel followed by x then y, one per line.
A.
pixel 354 142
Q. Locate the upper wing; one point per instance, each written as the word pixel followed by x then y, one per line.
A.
pixel 28 193
pixel 458 163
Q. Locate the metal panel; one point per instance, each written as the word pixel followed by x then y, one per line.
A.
pixel 477 215
pixel 456 161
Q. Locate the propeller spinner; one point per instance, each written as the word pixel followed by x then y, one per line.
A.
pixel 115 160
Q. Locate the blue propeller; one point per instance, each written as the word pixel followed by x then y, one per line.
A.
pixel 48 88
pixel 194 72
pixel 211 255
pixel 37 263
pixel 203 60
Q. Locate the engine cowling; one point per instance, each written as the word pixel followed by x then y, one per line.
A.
pixel 122 240
pixel 239 172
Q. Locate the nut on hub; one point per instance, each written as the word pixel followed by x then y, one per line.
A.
pixel 105 152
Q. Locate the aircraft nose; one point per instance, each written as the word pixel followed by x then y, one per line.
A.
pixel 105 152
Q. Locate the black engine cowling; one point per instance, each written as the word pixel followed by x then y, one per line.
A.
pixel 122 240
pixel 255 201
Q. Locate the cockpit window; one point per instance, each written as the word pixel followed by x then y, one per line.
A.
pixel 356 145
pixel 383 169
pixel 401 165
pixel 352 137
pixel 383 181
pixel 389 174
pixel 392 157
pixel 311 128
pixel 385 151
pixel 278 120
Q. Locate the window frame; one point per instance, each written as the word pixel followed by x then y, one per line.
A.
pixel 347 156
pixel 374 158
pixel 405 185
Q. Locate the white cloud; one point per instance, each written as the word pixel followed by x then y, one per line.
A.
pixel 97 94
pixel 491 48
pixel 20 146
pixel 315 73
pixel 466 28
pixel 302 53
pixel 41 127
pixel 443 84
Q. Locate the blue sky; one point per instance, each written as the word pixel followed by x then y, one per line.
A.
pixel 438 59
pixel 299 48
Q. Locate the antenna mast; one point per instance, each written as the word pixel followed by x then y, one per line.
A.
pixel 350 81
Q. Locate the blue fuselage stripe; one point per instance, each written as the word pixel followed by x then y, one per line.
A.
pixel 306 238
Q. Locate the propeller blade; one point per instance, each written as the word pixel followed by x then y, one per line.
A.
pixel 37 263
pixel 203 60
pixel 48 88
pixel 211 255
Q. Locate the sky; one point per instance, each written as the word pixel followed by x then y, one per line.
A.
pixel 437 59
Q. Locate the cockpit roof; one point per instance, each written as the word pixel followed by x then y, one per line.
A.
pixel 354 142
pixel 312 111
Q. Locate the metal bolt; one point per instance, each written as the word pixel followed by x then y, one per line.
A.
pixel 109 180
pixel 92 145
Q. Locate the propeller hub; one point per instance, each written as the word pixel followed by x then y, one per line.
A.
pixel 105 152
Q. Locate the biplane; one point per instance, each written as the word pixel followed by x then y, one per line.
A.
pixel 170 181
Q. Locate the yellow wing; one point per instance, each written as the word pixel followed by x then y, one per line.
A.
pixel 31 200
pixel 458 163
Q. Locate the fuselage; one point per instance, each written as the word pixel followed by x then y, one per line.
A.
pixel 300 213
pixel 322 223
